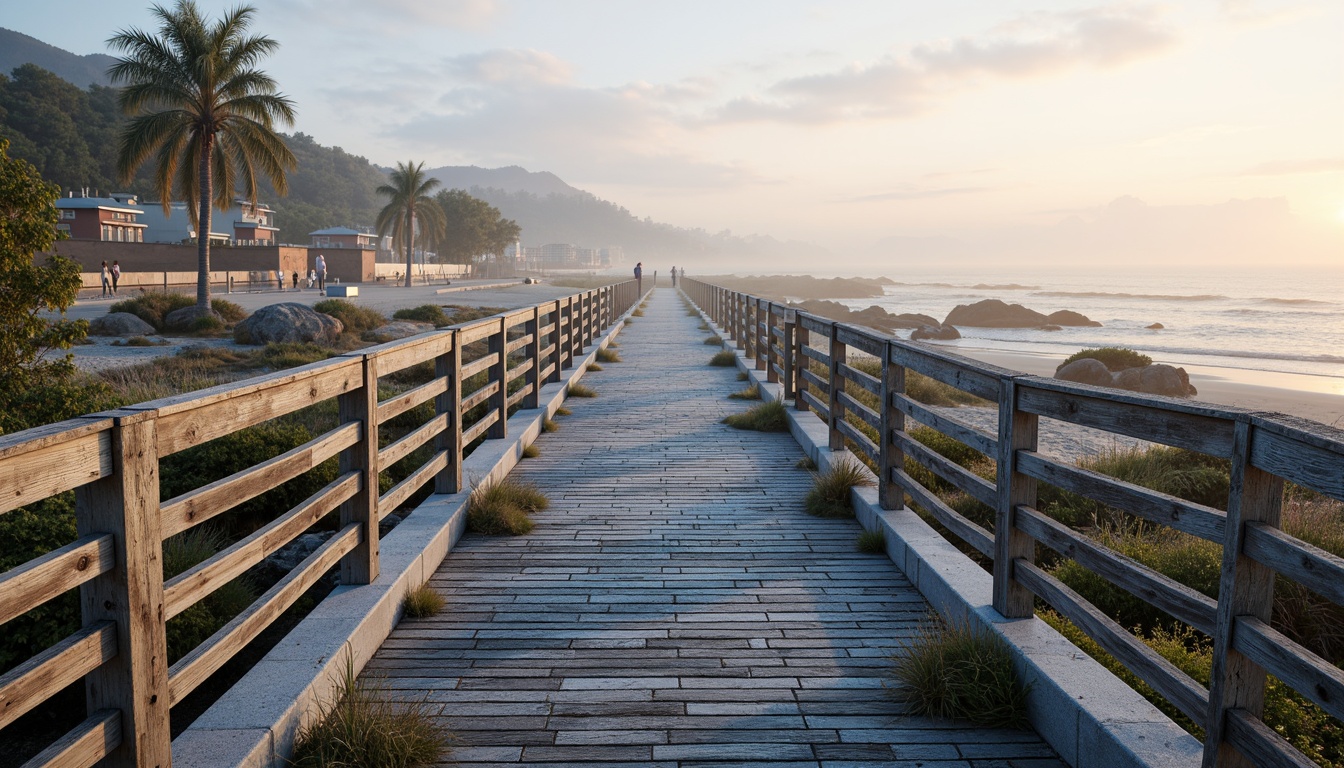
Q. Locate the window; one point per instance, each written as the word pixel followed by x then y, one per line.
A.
pixel 67 214
pixel 107 232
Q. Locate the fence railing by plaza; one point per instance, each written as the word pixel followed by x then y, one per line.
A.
pixel 809 356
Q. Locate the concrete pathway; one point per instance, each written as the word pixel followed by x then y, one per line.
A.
pixel 675 606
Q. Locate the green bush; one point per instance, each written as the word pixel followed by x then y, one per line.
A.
pixel 872 542
pixel 769 416
pixel 26 533
pixel 232 313
pixel 955 672
pixel 425 313
pixel 1115 358
pixel 154 306
pixel 503 507
pixel 829 496
pixel 197 623
pixel 355 318
pixel 1174 471
pixel 422 602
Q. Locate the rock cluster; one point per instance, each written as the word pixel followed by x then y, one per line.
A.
pixel 120 324
pixel 1157 379
pixel 993 313
pixel 288 322
pixel 398 329
pixel 873 317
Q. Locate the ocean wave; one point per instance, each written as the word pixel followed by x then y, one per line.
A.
pixel 976 287
pixel 1299 302
pixel 1152 296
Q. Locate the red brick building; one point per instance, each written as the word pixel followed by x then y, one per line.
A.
pixel 108 219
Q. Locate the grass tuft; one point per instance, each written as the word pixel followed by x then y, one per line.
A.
pixel 595 367
pixel 579 390
pixel 955 672
pixel 750 393
pixel 531 451
pixel 713 341
pixel 829 496
pixel 550 425
pixel 638 312
pixel 422 602
pixel 562 411
pixel 425 313
pixel 769 416
pixel 608 356
pixel 872 542
pixel 704 327
pixel 723 359
pixel 503 507
pixel 742 376
pixel 354 318
pixel 806 463
pixel 366 727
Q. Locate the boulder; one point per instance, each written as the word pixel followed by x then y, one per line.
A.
pixel 1068 317
pixel 287 322
pixel 873 316
pixel 288 557
pixel 120 324
pixel 992 313
pixel 1166 380
pixel 935 332
pixel 1155 327
pixel 398 329
pixel 1130 378
pixel 1087 370
pixel 186 318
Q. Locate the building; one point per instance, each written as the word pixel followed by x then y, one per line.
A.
pixel 109 219
pixel 241 224
pixel 343 237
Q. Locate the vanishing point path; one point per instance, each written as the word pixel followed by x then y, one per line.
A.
pixel 675 606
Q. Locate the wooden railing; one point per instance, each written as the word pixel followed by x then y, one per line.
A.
pixel 809 356
pixel 112 461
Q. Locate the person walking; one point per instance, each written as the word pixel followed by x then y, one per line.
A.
pixel 639 277
pixel 279 280
pixel 116 275
pixel 107 282
pixel 674 277
pixel 321 269
pixel 296 280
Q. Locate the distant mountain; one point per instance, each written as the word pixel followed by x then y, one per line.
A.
pixel 17 49
pixel 509 179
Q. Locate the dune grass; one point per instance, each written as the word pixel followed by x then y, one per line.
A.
pixel 531 451
pixel 750 393
pixel 579 390
pixel 595 367
pixel 422 602
pixel 953 671
pixel 829 496
pixel 742 376
pixel 503 507
pixel 549 425
pixel 562 411
pixel 723 359
pixel 806 463
pixel 872 542
pixel 608 356
pixel 769 416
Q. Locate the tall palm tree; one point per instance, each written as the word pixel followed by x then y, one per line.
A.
pixel 408 197
pixel 203 111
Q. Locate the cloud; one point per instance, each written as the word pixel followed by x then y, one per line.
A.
pixel 1295 167
pixel 907 85
pixel 510 67
pixel 394 15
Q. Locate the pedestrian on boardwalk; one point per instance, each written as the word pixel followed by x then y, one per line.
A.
pixel 107 281
pixel 279 280
pixel 639 277
pixel 296 280
pixel 321 270
pixel 674 277
pixel 116 276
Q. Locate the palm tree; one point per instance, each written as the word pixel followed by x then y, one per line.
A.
pixel 408 196
pixel 203 111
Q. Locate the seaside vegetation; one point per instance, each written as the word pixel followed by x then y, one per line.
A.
pixel 769 416
pixel 724 358
pixel 872 542
pixel 425 313
pixel 355 319
pixel 830 492
pixel 579 390
pixel 605 355
pixel 954 671
pixel 154 306
pixel 713 341
pixel 422 602
pixel 503 507
pixel 750 393
pixel 1115 358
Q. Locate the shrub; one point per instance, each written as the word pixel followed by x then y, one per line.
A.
pixel 579 390
pixel 503 507
pixel 595 367
pixel 723 359
pixel 531 451
pixel 1173 471
pixel 829 496
pixel 750 393
pixel 872 542
pixel 742 376
pixel 608 356
pixel 26 533
pixel 769 416
pixel 562 411
pixel 197 623
pixel 366 726
pixel 154 306
pixel 425 313
pixel 713 341
pixel 955 672
pixel 422 602
pixel 232 313
pixel 1115 358
pixel 141 341
pixel 355 318
pixel 917 386
pixel 549 425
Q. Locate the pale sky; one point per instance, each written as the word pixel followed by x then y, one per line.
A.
pixel 1210 131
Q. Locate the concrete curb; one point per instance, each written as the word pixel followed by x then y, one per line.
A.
pixel 460 288
pixel 1088 715
pixel 254 724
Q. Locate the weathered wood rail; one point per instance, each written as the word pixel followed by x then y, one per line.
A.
pixel 111 462
pixel 808 356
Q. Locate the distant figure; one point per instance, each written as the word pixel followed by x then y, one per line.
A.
pixel 279 280
pixel 321 273
pixel 674 277
pixel 107 281
pixel 116 276
pixel 296 280
pixel 639 277
pixel 312 278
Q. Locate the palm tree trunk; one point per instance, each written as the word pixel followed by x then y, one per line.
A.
pixel 410 242
pixel 203 226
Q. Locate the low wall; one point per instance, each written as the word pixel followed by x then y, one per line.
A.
pixel 349 265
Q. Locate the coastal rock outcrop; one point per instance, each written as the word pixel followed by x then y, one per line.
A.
pixel 287 322
pixel 186 318
pixel 120 324
pixel 398 329
pixel 1156 379
pixel 1072 319
pixel 1155 327
pixel 1088 370
pixel 935 332
pixel 993 313
pixel 873 316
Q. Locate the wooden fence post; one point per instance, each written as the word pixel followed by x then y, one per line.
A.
pixel 801 337
pixel 557 355
pixel 135 681
pixel 1245 589
pixel 499 371
pixel 772 355
pixel 787 352
pixel 761 335
pixel 449 366
pixel 1017 431
pixel 533 376
pixel 360 566
pixel 890 494
pixel 837 385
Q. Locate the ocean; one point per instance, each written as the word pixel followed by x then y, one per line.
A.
pixel 1275 322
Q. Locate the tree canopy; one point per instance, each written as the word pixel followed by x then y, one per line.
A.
pixel 407 193
pixel 473 228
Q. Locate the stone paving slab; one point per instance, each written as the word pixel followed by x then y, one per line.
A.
pixel 675 606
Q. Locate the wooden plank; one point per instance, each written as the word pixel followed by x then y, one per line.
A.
pixel 1147 417
pixel 815 324
pixel 399 493
pixel 517 344
pixel 410 441
pixel 477 330
pixel 890 454
pixel 978 538
pixel 861 441
pixel 480 364
pixel 1293 457
pixel 16 444
pixel 862 338
pixel 1302 670
pixel 479 396
pixel 1171 683
pixel 206 659
pixel 480 427
pixel 1262 745
pixel 55 466
pixel 195 507
pixel 189 587
pixel 199 421
pixel 546 372
pixel 1310 566
pixel 815 403
pixel 520 369
pixel 980 379
pixel 812 353
pixel 854 375
pixel 1194 519
pixel 1188 605
pixel 816 380
pixel 85 745
pixel 49 672
pixel 51 575
pixel 852 405
pixel 413 350
pixel 968 482
pixel 520 395
pixel 395 406
pixel 957 430
pixel 360 407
